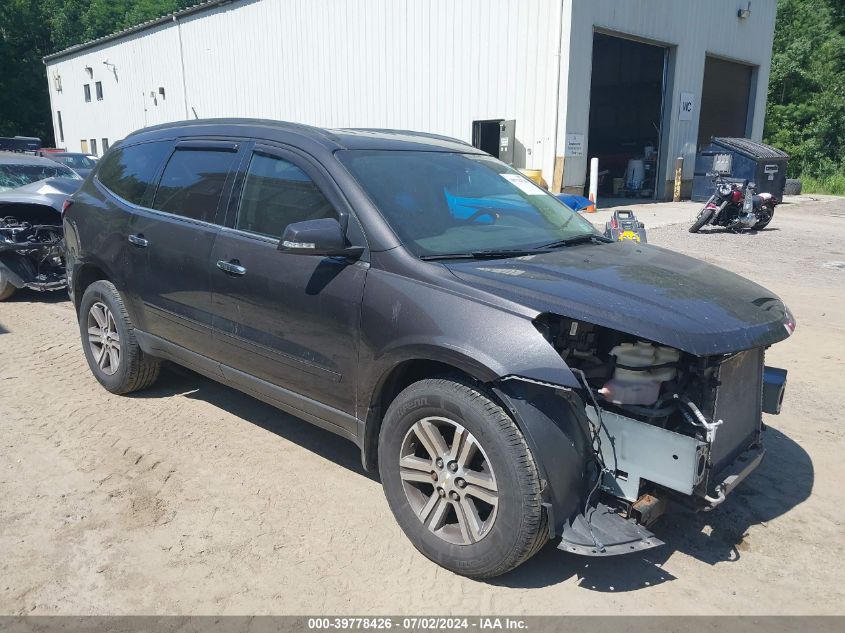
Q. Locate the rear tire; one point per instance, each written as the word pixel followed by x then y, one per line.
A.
pixel 6 287
pixel 108 339
pixel 703 218
pixel 485 539
pixel 762 224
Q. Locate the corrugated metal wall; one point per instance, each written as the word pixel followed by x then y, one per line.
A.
pixel 138 65
pixel 433 66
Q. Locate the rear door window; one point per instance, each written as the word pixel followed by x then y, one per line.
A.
pixel 277 193
pixel 129 172
pixel 193 182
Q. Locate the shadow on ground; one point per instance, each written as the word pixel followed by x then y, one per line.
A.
pixel 714 537
pixel 178 380
pixel 24 295
pixel 720 229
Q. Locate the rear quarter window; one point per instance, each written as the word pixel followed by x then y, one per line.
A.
pixel 129 172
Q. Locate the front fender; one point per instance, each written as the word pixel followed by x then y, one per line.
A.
pixel 17 269
pixel 557 432
pixel 404 319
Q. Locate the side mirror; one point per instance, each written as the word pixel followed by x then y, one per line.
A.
pixel 323 237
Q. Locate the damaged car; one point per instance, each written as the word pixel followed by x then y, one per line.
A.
pixel 512 375
pixel 32 192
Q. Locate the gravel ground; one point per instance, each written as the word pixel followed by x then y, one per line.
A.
pixel 192 498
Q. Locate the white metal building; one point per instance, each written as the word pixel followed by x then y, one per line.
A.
pixel 617 79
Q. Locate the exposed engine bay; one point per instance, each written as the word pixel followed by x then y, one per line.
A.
pixel 666 425
pixel 32 249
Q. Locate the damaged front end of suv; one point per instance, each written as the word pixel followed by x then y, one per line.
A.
pixel 648 425
pixel 31 237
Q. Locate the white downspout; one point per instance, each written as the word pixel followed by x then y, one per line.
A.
pixel 558 58
pixel 182 66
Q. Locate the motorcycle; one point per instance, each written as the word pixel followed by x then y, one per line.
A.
pixel 736 207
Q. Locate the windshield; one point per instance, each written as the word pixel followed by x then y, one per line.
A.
pixel 18 175
pixel 442 203
pixel 77 162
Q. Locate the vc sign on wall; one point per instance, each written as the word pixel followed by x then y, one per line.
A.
pixel 687 106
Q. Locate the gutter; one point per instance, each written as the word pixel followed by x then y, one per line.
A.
pixel 197 8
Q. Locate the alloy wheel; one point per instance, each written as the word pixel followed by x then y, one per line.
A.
pixel 448 480
pixel 104 338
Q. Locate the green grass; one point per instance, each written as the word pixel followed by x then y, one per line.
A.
pixel 832 185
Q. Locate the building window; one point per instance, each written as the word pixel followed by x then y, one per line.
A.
pixel 105 145
pixel 94 146
pixel 87 89
pixel 83 146
pixel 61 127
pixel 99 88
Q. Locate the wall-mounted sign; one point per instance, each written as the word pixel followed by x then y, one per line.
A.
pixel 574 144
pixel 686 107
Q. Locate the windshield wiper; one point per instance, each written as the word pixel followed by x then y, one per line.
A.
pixel 522 252
pixel 578 239
pixel 491 254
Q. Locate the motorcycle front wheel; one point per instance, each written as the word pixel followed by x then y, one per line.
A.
pixel 703 218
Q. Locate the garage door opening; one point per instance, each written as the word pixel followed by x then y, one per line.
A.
pixel 626 114
pixel 724 100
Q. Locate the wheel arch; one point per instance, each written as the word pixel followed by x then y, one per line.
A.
pixel 549 419
pixel 85 275
pixel 15 267
pixel 403 370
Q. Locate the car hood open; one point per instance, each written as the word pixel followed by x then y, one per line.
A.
pixel 647 291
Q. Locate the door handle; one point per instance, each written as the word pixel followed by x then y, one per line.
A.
pixel 138 240
pixel 232 267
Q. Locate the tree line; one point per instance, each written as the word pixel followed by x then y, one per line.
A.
pixel 31 29
pixel 806 105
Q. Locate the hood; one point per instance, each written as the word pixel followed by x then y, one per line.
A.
pixel 644 290
pixel 50 192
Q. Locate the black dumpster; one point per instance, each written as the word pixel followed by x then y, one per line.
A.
pixel 740 159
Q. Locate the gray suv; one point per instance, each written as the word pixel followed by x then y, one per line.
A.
pixel 513 375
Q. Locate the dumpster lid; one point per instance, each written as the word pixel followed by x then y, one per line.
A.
pixel 751 149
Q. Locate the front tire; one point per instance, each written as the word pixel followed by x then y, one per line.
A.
pixel 703 218
pixel 460 478
pixel 108 339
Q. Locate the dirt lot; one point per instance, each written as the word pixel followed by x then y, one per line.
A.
pixel 194 499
